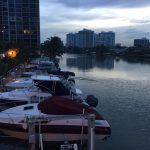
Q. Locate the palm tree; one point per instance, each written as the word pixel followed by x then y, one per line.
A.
pixel 53 47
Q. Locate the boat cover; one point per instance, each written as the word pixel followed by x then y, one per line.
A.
pixel 57 105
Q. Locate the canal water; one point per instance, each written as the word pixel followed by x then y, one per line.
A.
pixel 123 90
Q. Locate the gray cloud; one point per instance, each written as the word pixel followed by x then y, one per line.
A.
pixel 85 17
pixel 127 35
pixel 103 3
pixel 44 19
pixel 72 14
pixel 59 17
pixel 142 21
pixel 60 30
pixel 124 35
pixel 135 33
pixel 69 17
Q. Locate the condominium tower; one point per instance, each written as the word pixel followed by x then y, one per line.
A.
pixel 19 22
pixel 81 39
pixel 105 39
pixel 88 39
pixel 143 42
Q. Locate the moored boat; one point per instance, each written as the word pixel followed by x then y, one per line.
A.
pixel 13 121
pixel 40 87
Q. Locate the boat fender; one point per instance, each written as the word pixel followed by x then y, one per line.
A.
pixel 92 100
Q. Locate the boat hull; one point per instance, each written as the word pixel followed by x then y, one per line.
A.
pixel 5 103
pixel 54 132
pixel 50 137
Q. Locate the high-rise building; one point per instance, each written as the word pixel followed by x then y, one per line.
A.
pixel 105 39
pixel 85 38
pixel 19 22
pixel 88 39
pixel 70 42
pixel 142 43
pixel 82 39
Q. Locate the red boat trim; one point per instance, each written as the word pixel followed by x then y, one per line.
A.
pixel 57 129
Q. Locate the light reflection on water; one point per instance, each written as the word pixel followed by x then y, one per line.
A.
pixel 124 98
pixel 105 67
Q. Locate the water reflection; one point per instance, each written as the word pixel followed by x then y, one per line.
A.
pixel 102 67
pixel 88 62
pixel 122 88
pixel 139 60
pixel 105 62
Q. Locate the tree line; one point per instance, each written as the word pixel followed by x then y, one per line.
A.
pixel 51 47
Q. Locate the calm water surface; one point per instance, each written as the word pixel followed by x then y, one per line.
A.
pixel 123 90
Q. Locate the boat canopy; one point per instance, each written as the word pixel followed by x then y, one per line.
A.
pixel 57 105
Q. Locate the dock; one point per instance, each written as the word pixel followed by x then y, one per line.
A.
pixel 35 140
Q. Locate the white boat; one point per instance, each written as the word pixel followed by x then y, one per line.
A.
pixel 38 88
pixel 19 83
pixel 22 96
pixel 23 82
pixel 13 121
pixel 56 85
pixel 47 65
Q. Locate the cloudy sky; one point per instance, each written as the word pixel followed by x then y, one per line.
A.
pixel 129 19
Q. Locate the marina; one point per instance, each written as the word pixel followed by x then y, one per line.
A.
pixel 74 75
pixel 63 99
pixel 123 94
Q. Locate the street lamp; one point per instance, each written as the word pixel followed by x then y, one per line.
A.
pixel 12 53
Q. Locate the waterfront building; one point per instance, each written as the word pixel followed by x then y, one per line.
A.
pixel 143 42
pixel 105 39
pixel 86 38
pixel 77 40
pixel 19 22
pixel 70 42
pixel 81 39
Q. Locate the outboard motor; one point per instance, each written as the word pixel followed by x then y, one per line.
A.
pixel 92 100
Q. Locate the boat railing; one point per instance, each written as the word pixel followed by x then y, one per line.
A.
pixel 13 116
pixel 40 119
pixel 48 118
pixel 46 88
pixel 44 118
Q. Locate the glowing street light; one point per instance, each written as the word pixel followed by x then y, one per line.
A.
pixel 12 53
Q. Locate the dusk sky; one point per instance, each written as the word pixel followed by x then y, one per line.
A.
pixel 129 19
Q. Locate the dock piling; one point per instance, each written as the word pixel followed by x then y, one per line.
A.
pixel 32 138
pixel 91 132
